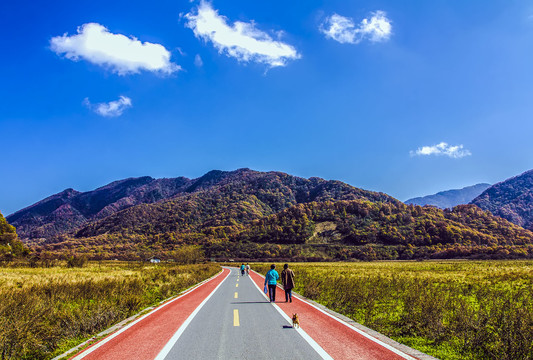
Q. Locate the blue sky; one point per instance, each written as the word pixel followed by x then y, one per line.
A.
pixel 365 92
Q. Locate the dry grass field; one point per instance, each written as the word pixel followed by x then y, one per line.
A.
pixel 45 311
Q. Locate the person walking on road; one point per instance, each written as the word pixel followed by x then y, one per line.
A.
pixel 271 279
pixel 287 279
pixel 242 269
pixel 247 269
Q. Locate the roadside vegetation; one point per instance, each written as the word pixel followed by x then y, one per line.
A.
pixel 10 246
pixel 51 306
pixel 448 309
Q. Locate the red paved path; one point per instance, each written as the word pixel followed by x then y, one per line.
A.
pixel 145 339
pixel 337 339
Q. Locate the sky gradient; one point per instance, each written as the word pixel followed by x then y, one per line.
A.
pixel 407 98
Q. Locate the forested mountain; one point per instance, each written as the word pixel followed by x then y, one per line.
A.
pixel 248 214
pixel 10 245
pixel 450 198
pixel 218 195
pixel 69 209
pixel 227 199
pixel 361 222
pixel 326 230
pixel 511 199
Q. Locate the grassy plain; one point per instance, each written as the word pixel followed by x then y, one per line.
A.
pixel 448 309
pixel 45 311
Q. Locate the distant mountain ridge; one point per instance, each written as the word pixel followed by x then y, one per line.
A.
pixel 450 198
pixel 511 199
pixel 71 210
pixel 246 214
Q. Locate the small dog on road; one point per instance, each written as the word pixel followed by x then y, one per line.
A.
pixel 295 321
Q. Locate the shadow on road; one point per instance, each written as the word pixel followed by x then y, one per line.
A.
pixel 251 302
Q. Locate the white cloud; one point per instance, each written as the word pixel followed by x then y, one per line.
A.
pixel 240 40
pixel 344 30
pixel 120 53
pixel 198 61
pixel 442 148
pixel 110 109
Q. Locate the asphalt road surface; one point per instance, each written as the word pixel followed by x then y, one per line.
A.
pixel 238 322
pixel 229 317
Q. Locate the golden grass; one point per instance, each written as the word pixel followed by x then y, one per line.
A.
pixel 44 311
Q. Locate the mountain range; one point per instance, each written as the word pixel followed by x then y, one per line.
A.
pixel 69 210
pixel 511 199
pixel 260 215
pixel 450 198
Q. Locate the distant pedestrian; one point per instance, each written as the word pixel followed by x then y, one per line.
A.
pixel 242 269
pixel 247 269
pixel 271 279
pixel 287 279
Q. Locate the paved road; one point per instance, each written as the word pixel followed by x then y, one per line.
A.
pixel 229 317
pixel 237 322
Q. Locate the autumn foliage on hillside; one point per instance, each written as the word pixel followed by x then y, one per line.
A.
pixel 232 203
pixel 246 214
pixel 316 231
pixel 10 246
pixel 150 206
pixel 361 222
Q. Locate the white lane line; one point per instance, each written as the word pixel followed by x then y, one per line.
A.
pixel 370 337
pixel 164 352
pixel 115 334
pixel 323 354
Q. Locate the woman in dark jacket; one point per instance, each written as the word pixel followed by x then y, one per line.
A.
pixel 287 279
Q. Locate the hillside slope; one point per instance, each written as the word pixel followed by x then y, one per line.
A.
pixel 327 230
pixel 361 222
pixel 68 210
pixel 227 199
pixel 215 195
pixel 248 214
pixel 450 198
pixel 511 199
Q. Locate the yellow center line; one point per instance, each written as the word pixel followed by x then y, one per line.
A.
pixel 236 295
pixel 236 285
pixel 237 279
pixel 236 317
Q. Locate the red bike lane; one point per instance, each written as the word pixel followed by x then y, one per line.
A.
pixel 144 338
pixel 337 338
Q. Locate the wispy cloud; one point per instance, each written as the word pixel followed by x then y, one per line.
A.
pixel 240 40
pixel 344 30
pixel 120 53
pixel 110 109
pixel 442 148
pixel 198 61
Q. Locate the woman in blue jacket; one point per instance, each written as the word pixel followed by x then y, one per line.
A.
pixel 271 279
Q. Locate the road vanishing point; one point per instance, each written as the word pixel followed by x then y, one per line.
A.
pixel 229 317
